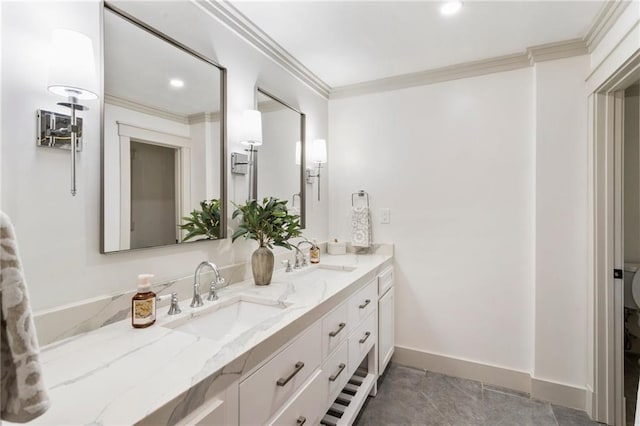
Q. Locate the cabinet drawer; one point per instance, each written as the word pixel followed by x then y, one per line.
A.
pixel 307 406
pixel 264 392
pixel 361 341
pixel 335 372
pixel 363 303
pixel 385 281
pixel 335 329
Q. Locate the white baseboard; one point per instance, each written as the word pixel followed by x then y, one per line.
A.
pixel 556 393
pixel 559 393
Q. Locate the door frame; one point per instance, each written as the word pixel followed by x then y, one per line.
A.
pixel 182 145
pixel 606 109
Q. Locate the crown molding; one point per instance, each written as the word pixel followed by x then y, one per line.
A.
pixel 145 109
pixel 200 117
pixel 203 117
pixel 236 21
pixel 270 106
pixel 604 20
pixel 531 56
pixel 551 51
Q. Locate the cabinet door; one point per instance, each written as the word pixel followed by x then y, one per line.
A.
pixel 386 325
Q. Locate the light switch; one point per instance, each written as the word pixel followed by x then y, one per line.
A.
pixel 385 215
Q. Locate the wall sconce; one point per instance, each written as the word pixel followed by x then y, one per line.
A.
pixel 72 74
pixel 252 137
pixel 298 153
pixel 319 157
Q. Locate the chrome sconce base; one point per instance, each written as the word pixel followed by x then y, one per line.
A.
pixel 311 174
pixel 62 132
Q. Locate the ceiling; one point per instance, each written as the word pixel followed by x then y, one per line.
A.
pixel 138 67
pixel 348 42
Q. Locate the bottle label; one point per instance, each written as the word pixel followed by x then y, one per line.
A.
pixel 144 311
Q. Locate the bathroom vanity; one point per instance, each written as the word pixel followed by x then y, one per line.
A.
pixel 280 354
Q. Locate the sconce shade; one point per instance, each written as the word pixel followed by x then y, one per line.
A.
pixel 319 151
pixel 251 128
pixel 72 65
pixel 298 153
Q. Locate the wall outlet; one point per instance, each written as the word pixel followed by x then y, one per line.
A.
pixel 385 215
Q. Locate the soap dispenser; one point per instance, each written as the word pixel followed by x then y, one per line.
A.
pixel 143 304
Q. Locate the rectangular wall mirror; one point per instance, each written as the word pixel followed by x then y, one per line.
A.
pixel 279 163
pixel 163 141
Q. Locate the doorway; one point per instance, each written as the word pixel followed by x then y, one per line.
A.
pixel 631 247
pixel 154 205
pixel 609 217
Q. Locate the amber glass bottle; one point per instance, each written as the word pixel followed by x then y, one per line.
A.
pixel 143 304
pixel 314 253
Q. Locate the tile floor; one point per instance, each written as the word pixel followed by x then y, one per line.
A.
pixel 407 396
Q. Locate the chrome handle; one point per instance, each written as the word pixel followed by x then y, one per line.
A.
pixel 283 382
pixel 335 376
pixel 301 420
pixel 364 305
pixel 335 333
pixel 174 309
pixel 366 336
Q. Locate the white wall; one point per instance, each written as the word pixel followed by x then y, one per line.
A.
pixel 486 178
pixel 561 281
pixel 59 234
pixel 455 163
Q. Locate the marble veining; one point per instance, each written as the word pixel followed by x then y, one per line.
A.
pixel 158 375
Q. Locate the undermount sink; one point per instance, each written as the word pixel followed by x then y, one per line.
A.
pixel 227 320
pixel 323 272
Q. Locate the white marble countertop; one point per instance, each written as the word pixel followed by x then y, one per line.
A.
pixel 121 375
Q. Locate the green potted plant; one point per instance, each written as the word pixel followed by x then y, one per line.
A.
pixel 205 222
pixel 270 224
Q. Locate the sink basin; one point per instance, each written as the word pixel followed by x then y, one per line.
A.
pixel 322 273
pixel 229 319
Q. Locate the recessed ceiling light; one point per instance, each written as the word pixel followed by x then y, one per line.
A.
pixel 451 7
pixel 176 82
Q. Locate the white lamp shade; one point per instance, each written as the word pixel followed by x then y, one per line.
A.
pixel 72 65
pixel 298 153
pixel 251 128
pixel 319 152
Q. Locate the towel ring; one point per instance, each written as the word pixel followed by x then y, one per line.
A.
pixel 360 194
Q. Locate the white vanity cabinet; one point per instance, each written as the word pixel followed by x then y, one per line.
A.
pixel 302 381
pixel 386 319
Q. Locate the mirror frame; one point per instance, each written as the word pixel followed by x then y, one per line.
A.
pixel 223 127
pixel 303 156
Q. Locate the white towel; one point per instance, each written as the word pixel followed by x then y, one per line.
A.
pixel 24 396
pixel 360 227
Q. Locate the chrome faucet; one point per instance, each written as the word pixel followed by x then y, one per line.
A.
pixel 300 264
pixel 196 302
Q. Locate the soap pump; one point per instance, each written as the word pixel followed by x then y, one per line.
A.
pixel 143 304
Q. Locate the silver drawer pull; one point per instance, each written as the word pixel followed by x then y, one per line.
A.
pixel 335 376
pixel 366 336
pixel 335 333
pixel 364 305
pixel 282 382
pixel 301 420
